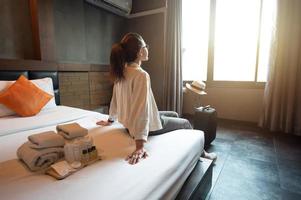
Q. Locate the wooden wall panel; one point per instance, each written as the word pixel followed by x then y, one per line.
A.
pixel 46 30
pixel 15 30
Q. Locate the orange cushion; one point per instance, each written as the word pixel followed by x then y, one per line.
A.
pixel 25 98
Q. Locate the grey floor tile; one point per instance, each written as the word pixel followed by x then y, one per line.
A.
pixel 287 195
pixel 288 153
pixel 235 187
pixel 253 151
pixel 286 163
pixel 222 148
pixel 290 176
pixel 217 168
pixel 288 147
pixel 251 169
pixel 255 164
pixel 256 139
pixel 227 134
pixel 218 165
pixel 220 145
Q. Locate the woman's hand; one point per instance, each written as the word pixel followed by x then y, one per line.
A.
pixel 138 154
pixel 104 123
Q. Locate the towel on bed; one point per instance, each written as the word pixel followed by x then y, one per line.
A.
pixel 37 159
pixel 45 140
pixel 71 131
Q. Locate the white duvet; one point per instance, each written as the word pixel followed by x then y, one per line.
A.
pixel 52 116
pixel 172 157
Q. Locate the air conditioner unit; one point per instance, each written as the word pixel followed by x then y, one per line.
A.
pixel 119 7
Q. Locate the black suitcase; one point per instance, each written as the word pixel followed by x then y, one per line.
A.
pixel 205 119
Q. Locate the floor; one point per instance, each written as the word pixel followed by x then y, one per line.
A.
pixel 255 164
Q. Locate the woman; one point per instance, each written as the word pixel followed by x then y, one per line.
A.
pixel 133 103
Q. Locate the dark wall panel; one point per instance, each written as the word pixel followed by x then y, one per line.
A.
pixel 102 30
pixel 15 30
pixel 46 30
pixel 70 30
pixel 144 5
pixel 151 28
pixel 85 33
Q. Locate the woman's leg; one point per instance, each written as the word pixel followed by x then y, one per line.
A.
pixel 169 114
pixel 175 123
pixel 171 124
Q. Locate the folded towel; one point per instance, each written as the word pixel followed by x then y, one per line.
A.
pixel 45 140
pixel 71 131
pixel 37 159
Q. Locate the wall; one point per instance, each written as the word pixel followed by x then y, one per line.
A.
pixel 144 5
pixel 67 31
pixel 74 89
pixel 100 89
pixel 82 33
pixel 94 31
pixel 85 33
pixel 230 103
pixel 87 90
pixel 15 30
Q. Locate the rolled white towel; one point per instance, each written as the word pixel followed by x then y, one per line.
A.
pixel 37 159
pixel 71 131
pixel 45 140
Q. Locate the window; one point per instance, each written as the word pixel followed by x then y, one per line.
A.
pixel 195 38
pixel 227 40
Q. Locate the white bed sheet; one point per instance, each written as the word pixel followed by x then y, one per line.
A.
pixel 48 117
pixel 172 157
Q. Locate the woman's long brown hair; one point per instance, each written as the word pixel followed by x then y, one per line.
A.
pixel 124 52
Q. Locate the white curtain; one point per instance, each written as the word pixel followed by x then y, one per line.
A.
pixel 282 98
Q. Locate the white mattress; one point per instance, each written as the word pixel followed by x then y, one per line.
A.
pixel 172 157
pixel 51 116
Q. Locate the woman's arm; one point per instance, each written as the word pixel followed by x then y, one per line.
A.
pixel 140 117
pixel 112 112
pixel 113 106
pixel 139 113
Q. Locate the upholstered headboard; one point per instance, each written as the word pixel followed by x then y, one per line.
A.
pixel 14 75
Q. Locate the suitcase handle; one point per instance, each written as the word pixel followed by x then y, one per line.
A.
pixel 206 107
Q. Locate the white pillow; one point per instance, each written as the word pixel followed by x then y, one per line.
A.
pixel 4 111
pixel 44 84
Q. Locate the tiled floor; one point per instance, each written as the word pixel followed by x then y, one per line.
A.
pixel 254 164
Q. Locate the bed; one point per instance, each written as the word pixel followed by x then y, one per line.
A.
pixel 173 156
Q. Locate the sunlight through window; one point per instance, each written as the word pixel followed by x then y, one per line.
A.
pixel 240 40
pixel 195 32
pixel 236 35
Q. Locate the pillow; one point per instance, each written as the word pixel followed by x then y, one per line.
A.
pixel 44 83
pixel 4 111
pixel 24 97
